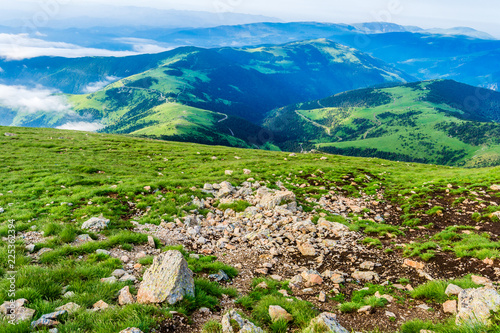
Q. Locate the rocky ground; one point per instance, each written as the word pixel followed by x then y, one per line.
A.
pixel 325 261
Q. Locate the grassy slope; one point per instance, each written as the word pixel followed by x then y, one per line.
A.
pixel 42 168
pixel 407 131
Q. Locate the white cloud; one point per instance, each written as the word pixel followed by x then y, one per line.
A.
pixel 142 45
pixel 1 70
pixel 95 86
pixel 33 99
pixel 21 46
pixel 82 126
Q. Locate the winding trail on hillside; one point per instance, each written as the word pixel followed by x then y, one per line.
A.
pixel 377 124
pixel 148 90
pixel 327 129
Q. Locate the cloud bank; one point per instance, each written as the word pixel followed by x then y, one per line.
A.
pixel 96 86
pixel 33 99
pixel 82 126
pixel 21 46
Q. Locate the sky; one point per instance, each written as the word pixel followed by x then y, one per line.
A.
pixel 478 14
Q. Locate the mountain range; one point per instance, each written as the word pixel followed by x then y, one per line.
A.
pixel 393 91
pixel 438 122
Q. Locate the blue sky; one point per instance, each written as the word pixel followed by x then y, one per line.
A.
pixel 478 14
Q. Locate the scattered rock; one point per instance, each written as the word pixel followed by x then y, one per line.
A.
pixel 102 251
pixel 111 279
pixel 272 200
pixel 131 330
pixel 118 273
pixel 16 310
pixel 453 289
pixel 368 265
pixel 228 172
pixel 125 297
pixel 365 276
pixel 326 322
pixel 69 307
pixel 48 320
pixel 414 264
pixel 151 242
pixel 450 307
pixel 390 314
pixel 480 280
pixel 367 309
pixel 474 305
pixel 495 187
pixel 82 239
pixel 244 325
pixel 100 305
pixel 322 296
pixel 221 276
pixel 262 285
pixel 276 313
pixel 312 278
pixel 306 249
pixel 168 279
pixel 96 224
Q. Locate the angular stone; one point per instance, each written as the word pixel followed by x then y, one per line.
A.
pixel 262 285
pixel 335 228
pixel 118 273
pixel 168 279
pixel 337 278
pixel 327 322
pixel 276 313
pixel 365 276
pixel 368 265
pixel 151 242
pixel 245 325
pixel 100 305
pixel 272 200
pixel 453 289
pixel 312 278
pixel 82 239
pixel 104 252
pixel 69 307
pixel 390 314
pixel 450 307
pixel 111 279
pixel 414 264
pixel 128 277
pixel 367 309
pixel 322 296
pixel 125 297
pixel 306 249
pixel 131 330
pixel 96 223
pixel 17 310
pixel 474 305
pixel 480 280
pixel 48 320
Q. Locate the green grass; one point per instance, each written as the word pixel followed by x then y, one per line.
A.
pixel 435 290
pixel 44 168
pixel 237 206
pixel 360 298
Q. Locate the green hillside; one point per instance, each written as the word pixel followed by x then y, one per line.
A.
pixel 51 181
pixel 439 122
pixel 243 83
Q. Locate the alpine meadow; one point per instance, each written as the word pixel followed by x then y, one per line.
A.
pixel 249 167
